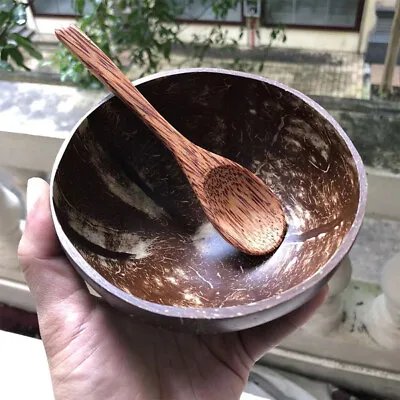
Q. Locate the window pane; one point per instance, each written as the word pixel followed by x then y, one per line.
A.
pixel 197 10
pixel 65 7
pixel 280 11
pixel 311 12
pixel 50 7
pixel 341 13
pixel 57 7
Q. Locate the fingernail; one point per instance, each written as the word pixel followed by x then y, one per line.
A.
pixel 33 193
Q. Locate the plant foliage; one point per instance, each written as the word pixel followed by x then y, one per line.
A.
pixel 12 43
pixel 143 34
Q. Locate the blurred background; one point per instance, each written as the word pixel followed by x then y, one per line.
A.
pixel 342 53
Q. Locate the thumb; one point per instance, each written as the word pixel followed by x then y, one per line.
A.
pixel 49 275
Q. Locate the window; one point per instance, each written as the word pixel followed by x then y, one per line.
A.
pixel 55 7
pixel 196 10
pixel 327 13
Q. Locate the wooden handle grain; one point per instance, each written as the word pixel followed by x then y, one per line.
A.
pixel 110 75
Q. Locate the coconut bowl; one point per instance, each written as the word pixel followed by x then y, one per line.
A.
pixel 132 227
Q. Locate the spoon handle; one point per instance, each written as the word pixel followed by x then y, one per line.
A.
pixel 100 65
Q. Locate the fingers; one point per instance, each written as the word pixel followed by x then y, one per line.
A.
pixel 257 341
pixel 50 277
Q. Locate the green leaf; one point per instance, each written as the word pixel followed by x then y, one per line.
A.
pixel 19 39
pixel 33 52
pixel 18 58
pixel 79 6
pixel 4 54
pixel 27 45
pixel 16 55
pixel 78 67
pixel 7 66
pixel 4 16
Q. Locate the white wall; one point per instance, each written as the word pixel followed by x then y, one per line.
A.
pixel 314 39
pixel 296 38
pixel 47 25
pixel 386 3
pixel 317 39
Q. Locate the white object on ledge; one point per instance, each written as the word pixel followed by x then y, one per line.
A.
pixel 383 319
pixel 10 232
pixel 19 178
pixel 23 368
pixel 330 314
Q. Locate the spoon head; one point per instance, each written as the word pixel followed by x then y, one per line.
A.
pixel 243 209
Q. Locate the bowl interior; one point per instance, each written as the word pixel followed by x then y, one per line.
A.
pixel 128 209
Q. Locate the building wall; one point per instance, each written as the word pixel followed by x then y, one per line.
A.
pixel 386 3
pixel 369 20
pixel 323 40
pixel 315 39
pixel 47 25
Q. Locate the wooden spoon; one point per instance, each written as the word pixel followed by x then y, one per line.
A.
pixel 238 204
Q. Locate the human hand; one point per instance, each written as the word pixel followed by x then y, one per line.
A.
pixel 96 352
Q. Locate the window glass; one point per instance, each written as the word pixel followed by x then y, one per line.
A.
pixel 200 11
pixel 338 13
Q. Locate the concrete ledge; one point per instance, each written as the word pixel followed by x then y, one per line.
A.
pixel 13 274
pixel 350 342
pixel 373 381
pixel 357 105
pixel 383 194
pixel 36 118
pixel 16 294
pixel 346 356
pixel 31 152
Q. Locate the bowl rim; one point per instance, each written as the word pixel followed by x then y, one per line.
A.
pixel 231 311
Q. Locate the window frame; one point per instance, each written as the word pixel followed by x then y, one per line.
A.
pixel 181 20
pixel 355 28
pixel 36 14
pixel 242 22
